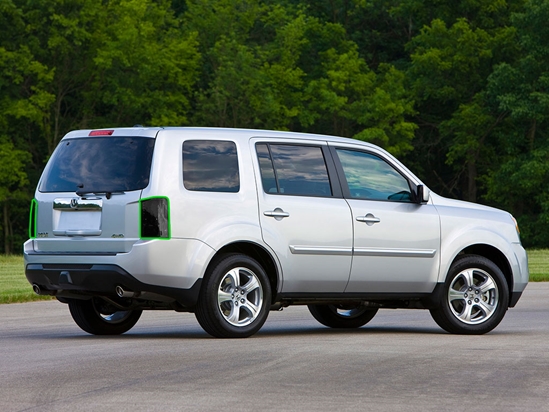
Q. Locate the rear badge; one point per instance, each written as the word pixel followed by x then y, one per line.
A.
pixel 117 236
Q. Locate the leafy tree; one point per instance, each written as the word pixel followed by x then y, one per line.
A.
pixel 113 64
pixel 360 103
pixel 13 181
pixel 145 65
pixel 449 68
pixel 520 91
pixel 463 84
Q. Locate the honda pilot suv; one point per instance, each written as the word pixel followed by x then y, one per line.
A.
pixel 230 224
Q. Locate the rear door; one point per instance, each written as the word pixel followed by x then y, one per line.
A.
pixel 303 217
pixel 88 197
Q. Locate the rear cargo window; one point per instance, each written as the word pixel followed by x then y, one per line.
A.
pixel 99 164
pixel 210 166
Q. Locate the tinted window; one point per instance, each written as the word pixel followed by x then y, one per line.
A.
pixel 99 164
pixel 210 165
pixel 268 178
pixel 370 177
pixel 293 170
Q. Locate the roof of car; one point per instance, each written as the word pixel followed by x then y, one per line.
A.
pixel 211 131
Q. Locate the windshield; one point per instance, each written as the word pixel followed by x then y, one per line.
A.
pixel 99 164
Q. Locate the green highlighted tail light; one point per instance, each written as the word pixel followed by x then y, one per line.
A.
pixel 32 218
pixel 154 216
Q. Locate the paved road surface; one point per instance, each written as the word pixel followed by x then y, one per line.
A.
pixel 401 361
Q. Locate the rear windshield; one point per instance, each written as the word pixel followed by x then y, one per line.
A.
pixel 99 164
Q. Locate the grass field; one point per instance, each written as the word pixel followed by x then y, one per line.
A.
pixel 538 263
pixel 13 283
pixel 15 288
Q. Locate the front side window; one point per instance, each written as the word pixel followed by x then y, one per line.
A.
pixel 99 164
pixel 293 170
pixel 210 166
pixel 372 178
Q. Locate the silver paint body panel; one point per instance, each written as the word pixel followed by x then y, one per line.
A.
pixel 317 244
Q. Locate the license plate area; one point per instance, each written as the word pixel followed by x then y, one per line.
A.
pixel 77 217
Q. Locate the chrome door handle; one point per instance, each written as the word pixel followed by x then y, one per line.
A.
pixel 369 219
pixel 278 213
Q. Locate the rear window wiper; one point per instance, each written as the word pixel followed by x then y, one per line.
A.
pixel 107 193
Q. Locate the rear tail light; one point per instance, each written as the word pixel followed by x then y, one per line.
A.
pixel 32 218
pixel 154 218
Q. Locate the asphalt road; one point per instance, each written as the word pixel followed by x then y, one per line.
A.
pixel 401 361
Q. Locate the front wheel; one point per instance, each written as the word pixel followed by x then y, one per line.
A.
pixel 342 316
pixel 235 297
pixel 98 317
pixel 474 299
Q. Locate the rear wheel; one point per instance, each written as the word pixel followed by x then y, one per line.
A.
pixel 475 297
pixel 342 316
pixel 235 298
pixel 98 317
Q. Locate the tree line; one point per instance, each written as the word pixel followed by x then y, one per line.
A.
pixel 459 91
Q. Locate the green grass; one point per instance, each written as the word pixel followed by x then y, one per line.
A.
pixel 538 263
pixel 15 288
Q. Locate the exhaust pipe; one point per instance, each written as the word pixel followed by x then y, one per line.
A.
pixel 125 293
pixel 120 292
pixel 43 292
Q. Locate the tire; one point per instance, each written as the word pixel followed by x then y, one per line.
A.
pixel 342 316
pixel 235 298
pixel 98 317
pixel 474 298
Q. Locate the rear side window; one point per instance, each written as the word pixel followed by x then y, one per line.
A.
pixel 293 170
pixel 99 164
pixel 210 166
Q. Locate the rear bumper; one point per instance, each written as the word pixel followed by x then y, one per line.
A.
pixel 172 264
pixel 79 280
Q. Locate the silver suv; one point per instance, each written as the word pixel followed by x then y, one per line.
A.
pixel 230 224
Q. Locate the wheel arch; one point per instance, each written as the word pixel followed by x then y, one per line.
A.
pixel 495 255
pixel 257 252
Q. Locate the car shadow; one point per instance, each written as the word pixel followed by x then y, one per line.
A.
pixel 266 332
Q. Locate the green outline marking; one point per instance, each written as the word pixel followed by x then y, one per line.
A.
pixel 141 217
pixel 33 219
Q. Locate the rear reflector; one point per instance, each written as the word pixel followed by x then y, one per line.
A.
pixel 155 218
pixel 32 218
pixel 101 133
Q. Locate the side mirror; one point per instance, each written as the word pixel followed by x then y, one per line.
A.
pixel 423 194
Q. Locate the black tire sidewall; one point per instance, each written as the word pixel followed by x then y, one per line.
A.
pixel 89 320
pixel 444 316
pixel 325 315
pixel 208 313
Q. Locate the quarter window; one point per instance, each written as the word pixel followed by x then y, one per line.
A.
pixel 293 170
pixel 370 177
pixel 210 166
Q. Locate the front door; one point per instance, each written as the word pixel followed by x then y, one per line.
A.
pixel 396 241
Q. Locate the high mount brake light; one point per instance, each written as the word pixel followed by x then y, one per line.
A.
pixel 101 133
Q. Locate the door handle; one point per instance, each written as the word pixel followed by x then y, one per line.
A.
pixel 278 213
pixel 369 219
